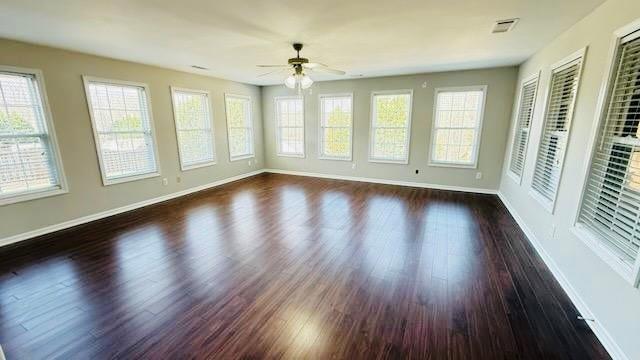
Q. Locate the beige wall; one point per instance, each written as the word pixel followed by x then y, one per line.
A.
pixel 614 302
pixel 501 86
pixel 62 74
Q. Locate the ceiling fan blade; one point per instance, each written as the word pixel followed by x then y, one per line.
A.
pixel 313 65
pixel 273 72
pixel 328 70
pixel 274 66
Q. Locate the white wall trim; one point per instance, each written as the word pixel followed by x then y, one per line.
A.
pixel 119 210
pixel 384 181
pixel 598 329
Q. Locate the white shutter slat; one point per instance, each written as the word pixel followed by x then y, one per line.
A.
pixel 611 202
pixel 557 121
pixel 525 113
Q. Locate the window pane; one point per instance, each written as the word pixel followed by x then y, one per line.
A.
pixel 121 120
pixel 290 125
pixel 335 126
pixel 392 110
pixel 390 122
pixel 239 126
pixel 457 126
pixel 195 133
pixel 26 158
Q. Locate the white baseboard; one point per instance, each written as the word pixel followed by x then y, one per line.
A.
pixel 601 333
pixel 111 212
pixel 384 181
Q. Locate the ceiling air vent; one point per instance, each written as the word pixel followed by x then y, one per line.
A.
pixel 503 26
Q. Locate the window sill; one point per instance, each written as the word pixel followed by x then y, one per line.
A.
pixel 517 179
pixel 453 165
pixel 22 197
pixel 605 253
pixel 382 161
pixel 125 179
pixel 349 159
pixel 546 203
pixel 197 166
pixel 301 156
pixel 242 157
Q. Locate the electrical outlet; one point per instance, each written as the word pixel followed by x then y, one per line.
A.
pixel 249 162
pixel 478 175
pixel 178 179
pixel 165 181
pixel 353 166
pixel 424 85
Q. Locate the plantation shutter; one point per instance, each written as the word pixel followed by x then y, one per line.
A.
pixel 523 125
pixel 611 203
pixel 553 143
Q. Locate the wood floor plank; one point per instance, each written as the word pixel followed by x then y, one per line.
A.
pixel 286 267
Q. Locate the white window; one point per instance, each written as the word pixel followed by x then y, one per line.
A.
pixel 194 128
pixel 239 126
pixel 457 123
pixel 290 126
pixel 522 127
pixel 336 126
pixel 390 126
pixel 123 129
pixel 563 88
pixel 30 166
pixel 610 208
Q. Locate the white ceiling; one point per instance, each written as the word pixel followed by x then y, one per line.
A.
pixel 362 37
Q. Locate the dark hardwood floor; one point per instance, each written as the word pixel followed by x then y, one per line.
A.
pixel 280 266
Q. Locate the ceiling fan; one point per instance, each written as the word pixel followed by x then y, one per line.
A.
pixel 299 69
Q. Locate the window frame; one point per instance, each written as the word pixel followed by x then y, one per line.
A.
pixel 375 93
pixel 476 148
pixel 533 78
pixel 566 62
pixel 321 156
pixel 252 153
pixel 87 80
pixel 578 229
pixel 277 126
pixel 207 95
pixel 56 157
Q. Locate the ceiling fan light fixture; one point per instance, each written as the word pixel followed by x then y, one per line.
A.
pixel 290 81
pixel 306 82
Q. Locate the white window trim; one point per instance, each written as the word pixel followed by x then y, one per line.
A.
pixel 184 167
pixel 336 158
pixel 304 128
pixel 371 129
pixel 53 141
pixel 592 241
pixel 105 181
pixel 549 206
pixel 252 154
pixel 535 77
pixel 476 148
